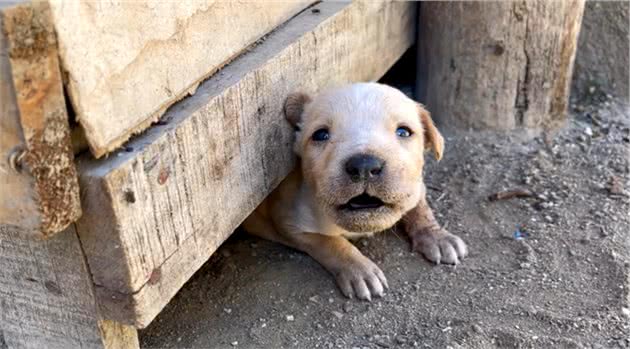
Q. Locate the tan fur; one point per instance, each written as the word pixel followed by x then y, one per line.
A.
pixel 308 211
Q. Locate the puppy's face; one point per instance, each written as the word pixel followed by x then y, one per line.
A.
pixel 361 149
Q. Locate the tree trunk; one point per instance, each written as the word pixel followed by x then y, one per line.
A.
pixel 497 65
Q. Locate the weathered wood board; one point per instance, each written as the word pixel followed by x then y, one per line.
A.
pixel 127 61
pixel 39 189
pixel 153 214
pixel 47 298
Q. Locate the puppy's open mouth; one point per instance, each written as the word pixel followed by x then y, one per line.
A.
pixel 363 202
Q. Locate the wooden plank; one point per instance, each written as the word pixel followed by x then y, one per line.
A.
pixel 155 213
pixel 39 191
pixel 46 296
pixel 128 61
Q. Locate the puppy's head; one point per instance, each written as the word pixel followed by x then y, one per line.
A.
pixel 361 148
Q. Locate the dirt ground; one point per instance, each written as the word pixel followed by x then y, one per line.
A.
pixel 564 285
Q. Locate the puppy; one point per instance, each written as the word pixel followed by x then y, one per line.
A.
pixel 361 150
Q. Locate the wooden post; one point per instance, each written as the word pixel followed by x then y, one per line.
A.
pixel 497 65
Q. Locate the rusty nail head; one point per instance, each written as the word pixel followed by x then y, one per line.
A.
pixel 163 175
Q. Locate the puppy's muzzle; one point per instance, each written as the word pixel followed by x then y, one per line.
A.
pixel 364 167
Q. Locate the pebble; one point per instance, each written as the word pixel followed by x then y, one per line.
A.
pixel 588 131
pixel 337 314
pixel 525 265
pixel 290 318
pixel 476 328
pixel 625 311
pixel 347 307
pixel 227 310
pixel 235 343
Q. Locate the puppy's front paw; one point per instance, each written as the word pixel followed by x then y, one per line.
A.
pixel 362 278
pixel 439 246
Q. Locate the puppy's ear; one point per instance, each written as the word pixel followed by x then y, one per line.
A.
pixel 294 107
pixel 433 140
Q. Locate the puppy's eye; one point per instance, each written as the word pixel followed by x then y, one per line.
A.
pixel 403 132
pixel 321 135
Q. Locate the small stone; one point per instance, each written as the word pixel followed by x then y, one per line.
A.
pixel 347 307
pixel 525 265
pixel 615 186
pixel 227 310
pixel 290 318
pixel 235 343
pixel 330 300
pixel 314 299
pixel 549 219
pixel 477 328
pixel 337 314
pixel 588 131
pixel 625 311
pixel 591 89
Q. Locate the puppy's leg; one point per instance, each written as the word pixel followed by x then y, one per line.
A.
pixel 355 274
pixel 427 237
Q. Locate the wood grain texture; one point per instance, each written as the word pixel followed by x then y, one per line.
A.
pixel 155 213
pixel 497 65
pixel 46 295
pixel 42 196
pixel 115 335
pixel 128 61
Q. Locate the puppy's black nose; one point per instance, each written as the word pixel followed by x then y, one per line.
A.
pixel 362 167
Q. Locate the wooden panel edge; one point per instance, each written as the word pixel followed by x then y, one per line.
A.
pixel 48 155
